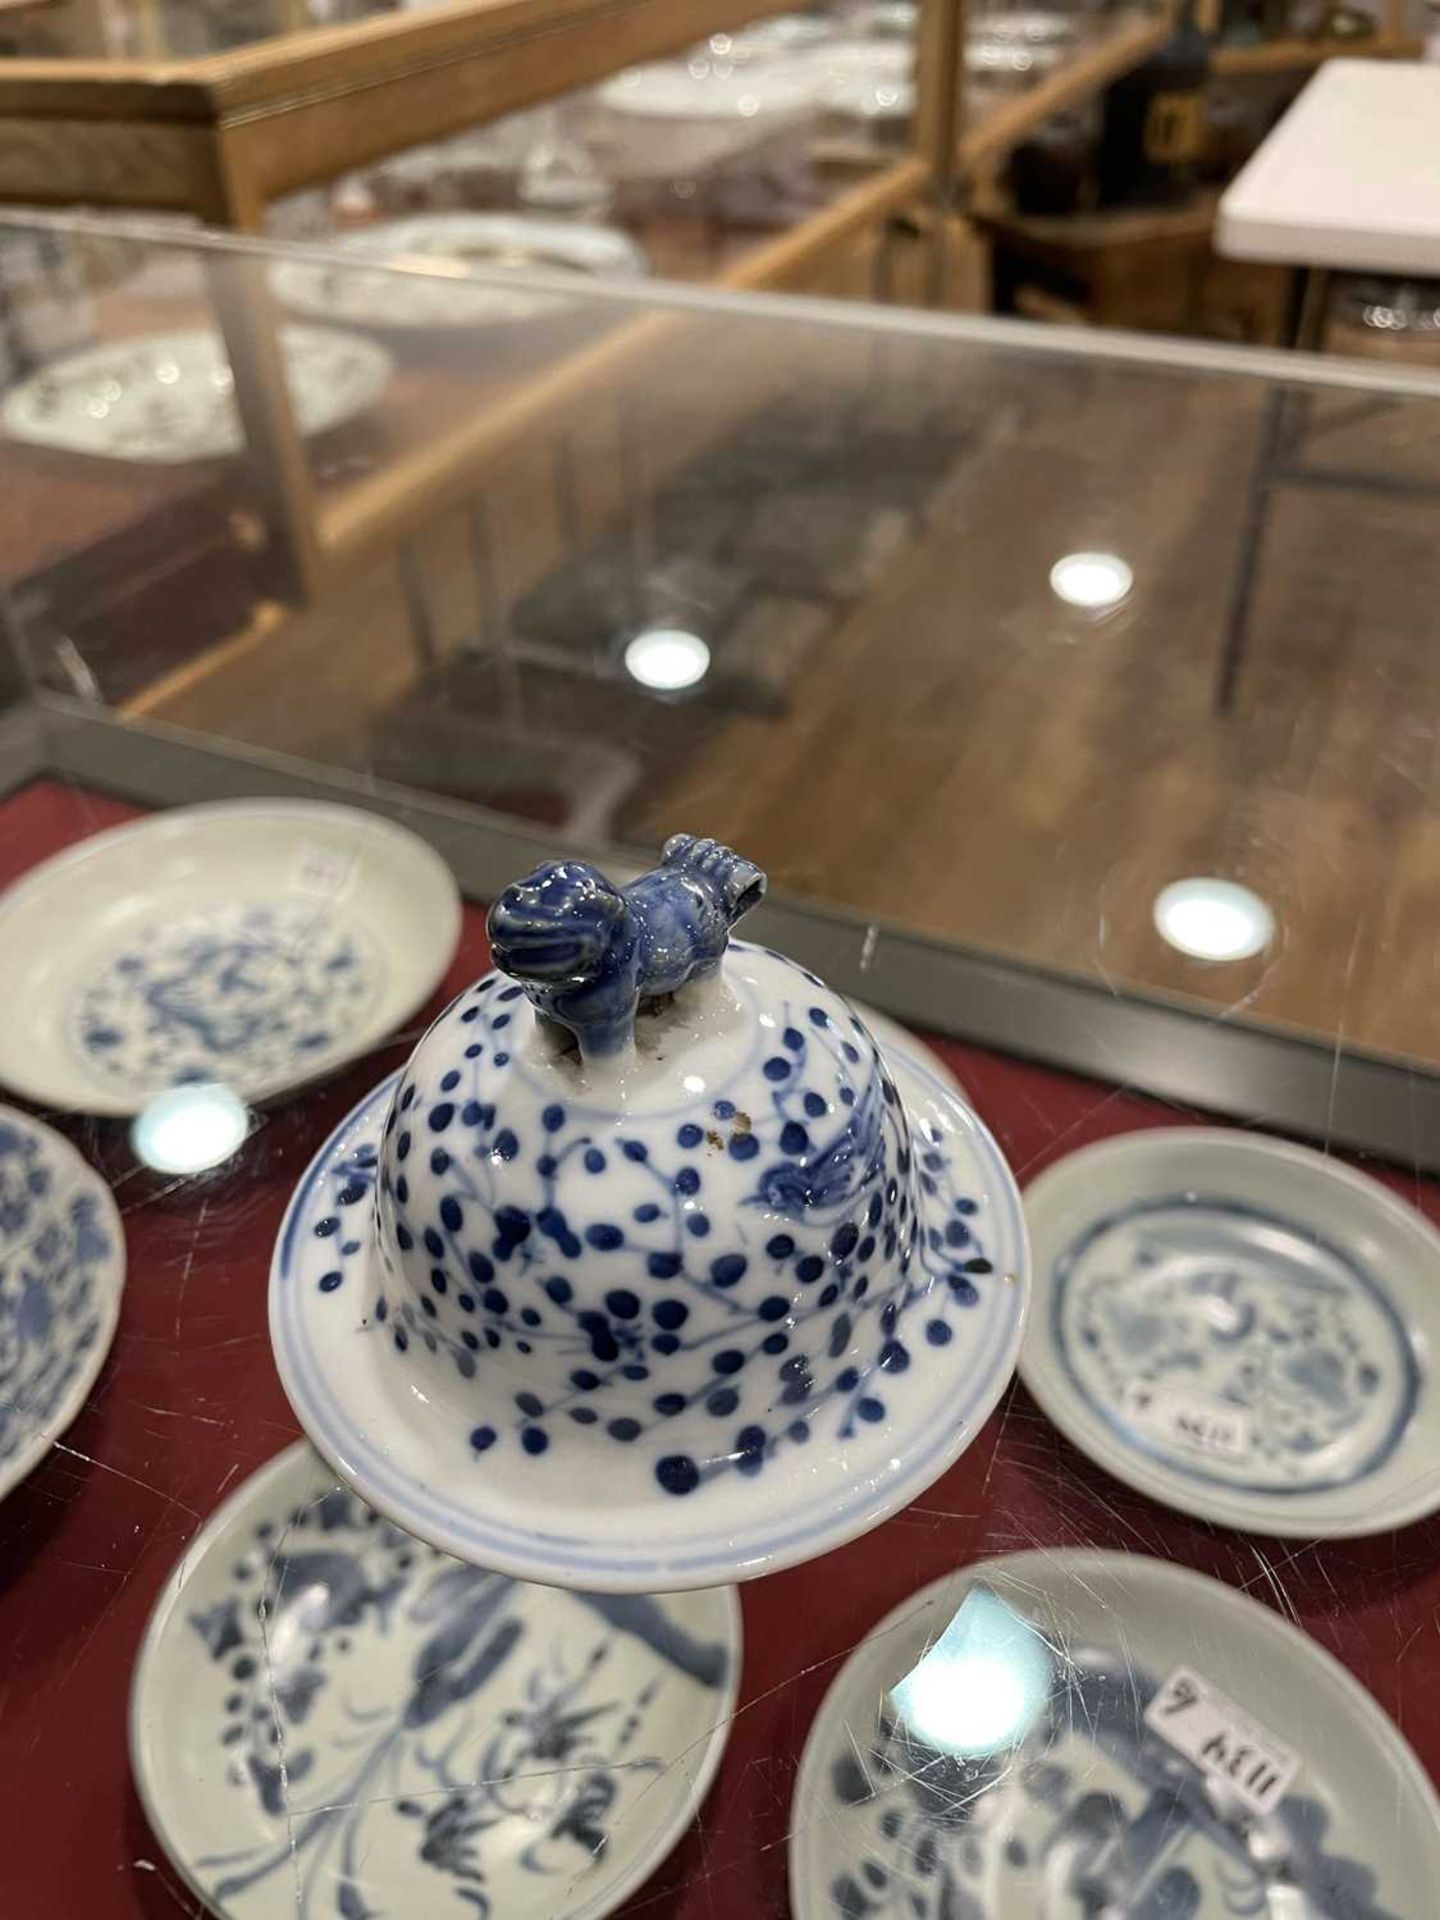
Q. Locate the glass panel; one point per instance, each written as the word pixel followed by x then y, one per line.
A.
pixel 1077 629
pixel 1108 662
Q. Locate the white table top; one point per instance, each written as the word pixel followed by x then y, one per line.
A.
pixel 1350 178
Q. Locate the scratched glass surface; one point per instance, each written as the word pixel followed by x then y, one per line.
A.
pixel 960 632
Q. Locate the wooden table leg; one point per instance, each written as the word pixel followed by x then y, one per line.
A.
pixel 279 464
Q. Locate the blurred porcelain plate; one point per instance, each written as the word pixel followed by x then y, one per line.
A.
pixel 1016 45
pixel 715 90
pixel 764 39
pixel 887 18
pixel 1241 1329
pixel 254 943
pixel 1035 28
pixel 490 243
pixel 62 1266
pixel 329 1720
pixel 169 397
pixel 866 79
pixel 1067 1735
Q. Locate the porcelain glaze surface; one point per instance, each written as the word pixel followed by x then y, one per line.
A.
pixel 248 994
pixel 1241 1328
pixel 62 1266
pixel 170 397
pixel 727 1266
pixel 331 1721
pixel 1084 1809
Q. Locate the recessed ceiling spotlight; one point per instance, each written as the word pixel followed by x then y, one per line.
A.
pixel 190 1129
pixel 1094 581
pixel 1212 919
pixel 667 659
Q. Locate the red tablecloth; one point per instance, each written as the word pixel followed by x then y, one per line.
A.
pixel 189 1403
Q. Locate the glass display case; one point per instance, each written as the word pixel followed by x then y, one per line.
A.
pixel 754 146
pixel 1073 696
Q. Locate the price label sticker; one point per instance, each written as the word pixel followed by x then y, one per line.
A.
pixel 1231 1749
pixel 1194 1421
pixel 325 872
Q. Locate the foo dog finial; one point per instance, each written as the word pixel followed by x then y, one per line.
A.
pixel 588 953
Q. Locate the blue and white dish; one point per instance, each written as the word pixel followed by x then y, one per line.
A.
pixel 330 1721
pixel 62 1267
pixel 650 1271
pixel 256 944
pixel 1012 1744
pixel 1240 1328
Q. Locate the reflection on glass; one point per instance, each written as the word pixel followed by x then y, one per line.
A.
pixel 668 659
pixel 1212 919
pixel 190 1129
pixel 1092 580
pixel 982 1686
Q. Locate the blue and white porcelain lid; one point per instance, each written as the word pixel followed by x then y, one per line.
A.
pixel 1240 1328
pixel 652 1270
pixel 1071 1735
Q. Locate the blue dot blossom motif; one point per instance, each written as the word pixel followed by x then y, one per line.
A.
pixel 424 1714
pixel 59 1264
pixel 1092 1813
pixel 713 1287
pixel 248 993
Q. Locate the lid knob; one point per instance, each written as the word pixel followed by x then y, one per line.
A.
pixel 590 954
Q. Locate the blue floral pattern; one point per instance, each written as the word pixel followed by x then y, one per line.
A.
pixel 520 1733
pixel 1231 1311
pixel 61 1262
pixel 851 1242
pixel 249 994
pixel 1093 1814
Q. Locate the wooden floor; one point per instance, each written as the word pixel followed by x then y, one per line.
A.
pixel 971 758
pixel 962 754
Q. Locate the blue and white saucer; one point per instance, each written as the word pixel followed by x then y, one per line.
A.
pixel 1069 1735
pixel 329 1720
pixel 816 1424
pixel 62 1267
pixel 257 944
pixel 1240 1328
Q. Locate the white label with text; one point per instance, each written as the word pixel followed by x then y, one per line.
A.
pixel 1194 1421
pixel 1229 1747
pixel 323 871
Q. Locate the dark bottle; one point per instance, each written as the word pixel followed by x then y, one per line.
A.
pixel 1153 122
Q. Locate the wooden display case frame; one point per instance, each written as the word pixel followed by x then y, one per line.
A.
pixel 223 136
